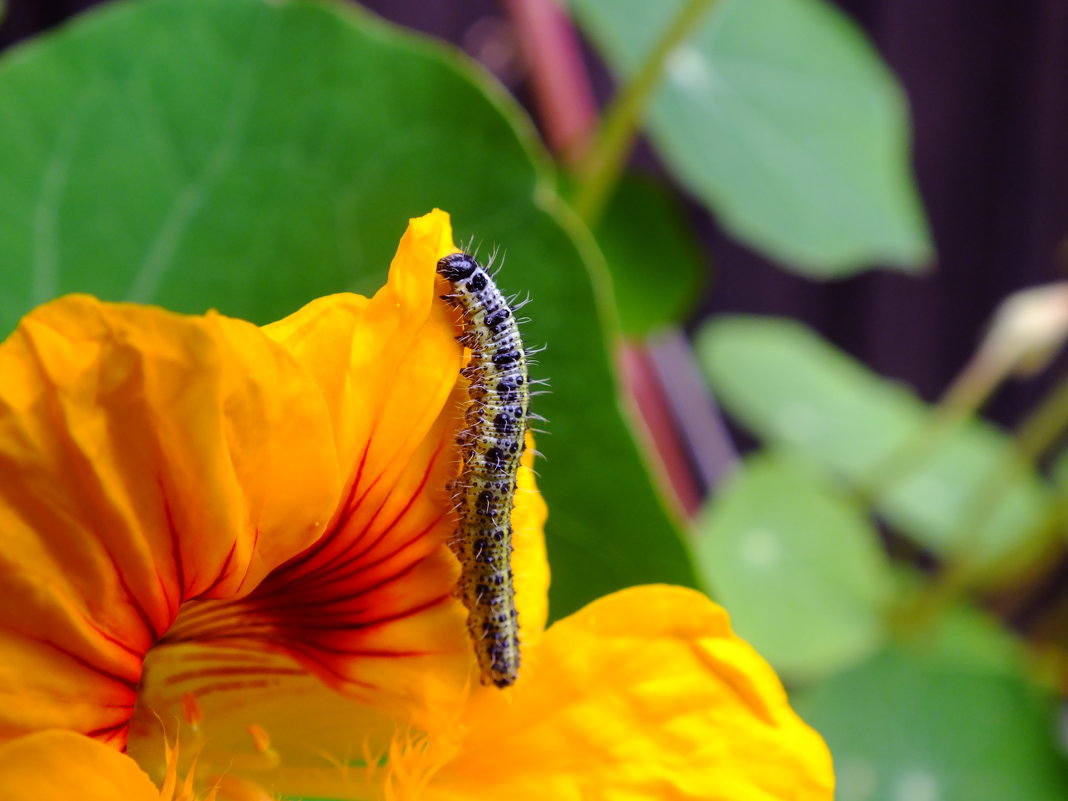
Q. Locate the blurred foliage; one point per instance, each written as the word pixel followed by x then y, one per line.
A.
pixel 656 268
pixel 953 715
pixel 249 155
pixel 951 706
pixel 804 577
pixel 797 391
pixel 780 117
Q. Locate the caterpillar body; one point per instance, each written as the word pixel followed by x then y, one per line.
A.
pixel 491 446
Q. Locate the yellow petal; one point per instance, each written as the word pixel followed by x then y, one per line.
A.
pixel 645 693
pixel 529 561
pixel 59 765
pixel 370 608
pixel 136 472
pixel 385 365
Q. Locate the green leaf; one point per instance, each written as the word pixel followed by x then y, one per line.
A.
pixel 1058 469
pixel 795 390
pixel 657 270
pixel 970 638
pixel 922 726
pixel 798 566
pixel 251 155
pixel 782 119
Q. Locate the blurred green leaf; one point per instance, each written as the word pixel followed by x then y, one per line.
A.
pixel 795 390
pixel 781 117
pixel 925 725
pixel 657 270
pixel 252 155
pixel 798 566
pixel 1058 470
pixel 968 637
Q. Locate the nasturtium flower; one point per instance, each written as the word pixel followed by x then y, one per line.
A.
pixel 225 573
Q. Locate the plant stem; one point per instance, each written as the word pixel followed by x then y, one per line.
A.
pixel 1042 428
pixel 964 397
pixel 604 162
pixel 563 98
pixel 1039 432
pixel 567 110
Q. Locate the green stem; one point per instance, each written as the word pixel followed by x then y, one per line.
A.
pixel 1045 425
pixel 1039 432
pixel 968 392
pixel 604 162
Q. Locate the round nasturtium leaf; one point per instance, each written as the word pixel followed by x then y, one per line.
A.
pixel 912 725
pixel 797 564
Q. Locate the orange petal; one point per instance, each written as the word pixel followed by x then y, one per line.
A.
pixel 60 765
pixel 385 365
pixel 645 693
pixel 370 608
pixel 136 471
pixel 529 561
pixel 372 599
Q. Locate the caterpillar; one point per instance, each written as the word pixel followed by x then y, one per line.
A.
pixel 491 445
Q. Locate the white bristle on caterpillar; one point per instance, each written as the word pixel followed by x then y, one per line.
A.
pixel 491 447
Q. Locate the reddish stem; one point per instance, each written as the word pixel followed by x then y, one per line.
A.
pixel 567 108
pixel 563 96
pixel 645 388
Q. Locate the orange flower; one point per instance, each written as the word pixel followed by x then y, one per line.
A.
pixel 238 537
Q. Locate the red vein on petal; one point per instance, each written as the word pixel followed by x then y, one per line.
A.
pixel 406 544
pixel 108 733
pixel 301 559
pixel 176 545
pixel 252 550
pixel 111 638
pixel 336 567
pixel 309 655
pixel 351 507
pixel 268 630
pixel 346 515
pixel 130 684
pixel 245 655
pixel 273 610
pixel 374 623
pixel 223 571
pixel 326 577
pixel 248 670
pixel 280 603
pixel 78 458
pixel 376 653
pixel 132 598
pixel 172 607
pixel 233 685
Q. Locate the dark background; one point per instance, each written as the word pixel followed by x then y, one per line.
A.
pixel 988 85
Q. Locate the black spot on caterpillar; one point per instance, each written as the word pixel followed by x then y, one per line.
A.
pixel 491 445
